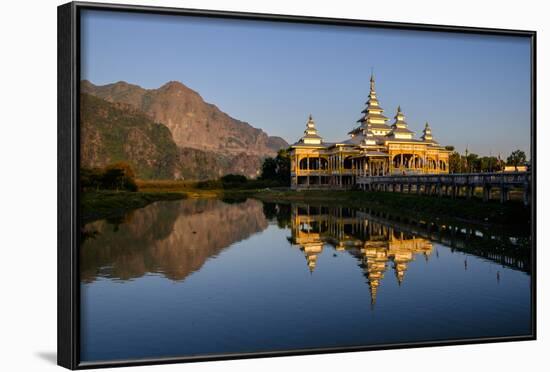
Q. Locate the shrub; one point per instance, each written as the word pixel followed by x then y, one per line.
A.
pixel 231 181
pixel 118 176
pixel 209 185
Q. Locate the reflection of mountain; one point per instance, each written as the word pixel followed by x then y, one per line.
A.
pixel 171 238
pixel 377 239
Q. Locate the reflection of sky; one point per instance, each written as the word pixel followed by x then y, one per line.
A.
pixel 474 90
pixel 259 295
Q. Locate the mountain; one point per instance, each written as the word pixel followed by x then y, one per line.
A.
pixel 112 132
pixel 198 128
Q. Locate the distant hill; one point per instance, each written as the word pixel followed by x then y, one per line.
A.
pixel 199 129
pixel 112 132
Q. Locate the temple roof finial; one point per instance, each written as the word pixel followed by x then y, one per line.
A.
pixel 399 127
pixel 310 134
pixel 427 134
pixel 373 119
pixel 372 81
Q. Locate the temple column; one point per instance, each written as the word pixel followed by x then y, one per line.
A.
pixel 307 167
pixel 469 191
pixel 526 195
pixel 503 194
pixel 486 193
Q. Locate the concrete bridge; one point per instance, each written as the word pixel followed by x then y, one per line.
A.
pixel 452 185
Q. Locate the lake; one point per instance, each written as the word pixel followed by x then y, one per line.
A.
pixel 208 276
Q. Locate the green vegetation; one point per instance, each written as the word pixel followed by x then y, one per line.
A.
pixel 418 206
pixel 277 169
pixel 432 208
pixel 97 205
pixel 517 158
pixel 473 163
pixel 233 182
pixel 110 192
pixel 118 176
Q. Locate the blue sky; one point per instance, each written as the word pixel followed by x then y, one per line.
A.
pixel 473 90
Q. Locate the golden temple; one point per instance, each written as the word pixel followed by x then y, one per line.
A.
pixel 373 149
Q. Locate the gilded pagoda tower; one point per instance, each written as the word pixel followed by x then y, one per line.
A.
pixel 374 149
pixel 372 122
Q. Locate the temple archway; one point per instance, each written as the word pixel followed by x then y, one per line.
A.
pixel 403 161
pixel 432 164
pixel 303 163
pixel 348 164
pixel 396 161
pixel 417 162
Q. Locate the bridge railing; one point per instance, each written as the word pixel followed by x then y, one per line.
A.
pixel 475 179
pixel 457 184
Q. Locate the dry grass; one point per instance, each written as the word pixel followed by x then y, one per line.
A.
pixel 165 185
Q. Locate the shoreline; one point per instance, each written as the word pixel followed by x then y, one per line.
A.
pixel 461 209
pixel 110 204
pixel 98 205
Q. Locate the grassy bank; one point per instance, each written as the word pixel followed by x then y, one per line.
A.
pixel 108 204
pixel 473 210
pixel 207 186
pixel 114 204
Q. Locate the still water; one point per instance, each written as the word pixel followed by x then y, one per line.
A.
pixel 196 277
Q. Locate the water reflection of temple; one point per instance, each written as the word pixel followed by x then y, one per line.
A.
pixel 374 244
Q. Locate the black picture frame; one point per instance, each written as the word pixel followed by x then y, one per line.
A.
pixel 68 341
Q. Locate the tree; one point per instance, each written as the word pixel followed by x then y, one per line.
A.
pixel 277 168
pixel 489 164
pixel 233 180
pixel 91 178
pixel 455 163
pixel 517 158
pixel 269 169
pixel 119 176
pixel 472 163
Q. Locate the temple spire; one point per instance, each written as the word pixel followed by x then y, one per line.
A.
pixel 399 127
pixel 311 137
pixel 373 119
pixel 427 134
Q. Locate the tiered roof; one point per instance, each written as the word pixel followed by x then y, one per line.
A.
pixel 400 128
pixel 373 121
pixel 373 129
pixel 427 134
pixel 310 134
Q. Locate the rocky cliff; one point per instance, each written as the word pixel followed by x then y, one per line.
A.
pixel 112 132
pixel 199 129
